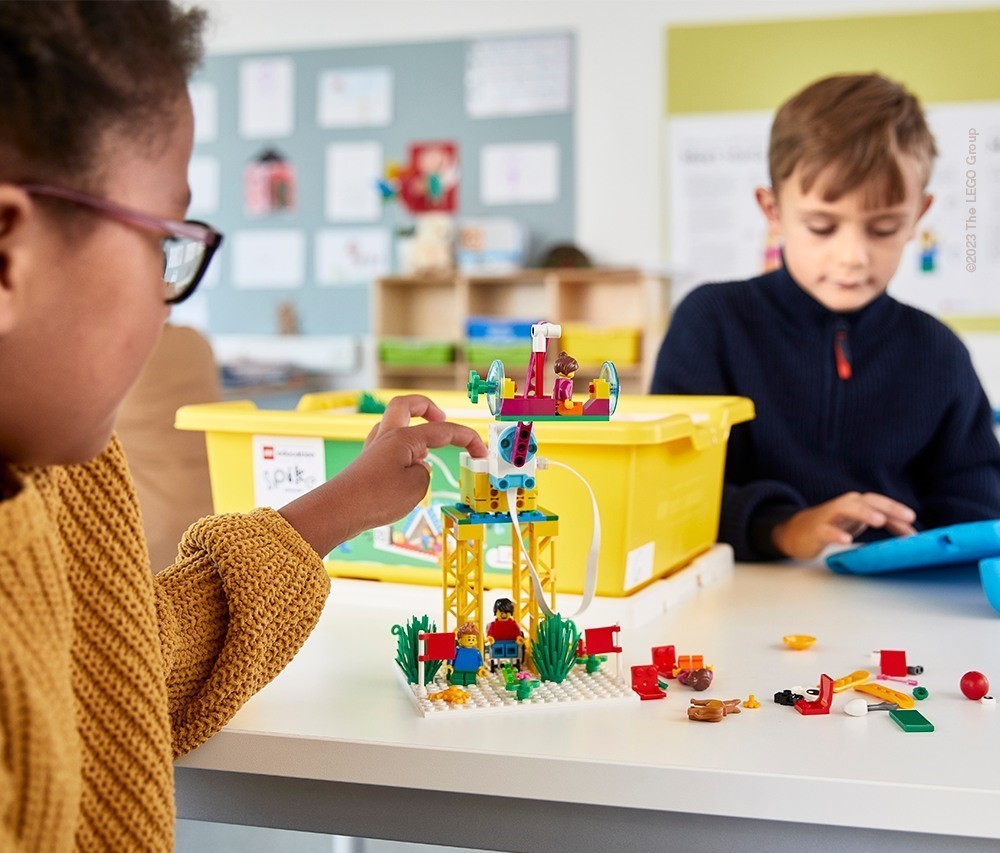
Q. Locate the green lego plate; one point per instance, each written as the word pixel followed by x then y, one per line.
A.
pixel 911 721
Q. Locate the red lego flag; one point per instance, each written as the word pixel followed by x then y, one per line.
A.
pixel 601 641
pixel 438 646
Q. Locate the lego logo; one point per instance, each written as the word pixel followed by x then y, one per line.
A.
pixel 268 452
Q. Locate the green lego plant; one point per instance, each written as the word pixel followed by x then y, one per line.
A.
pixel 554 649
pixel 592 662
pixel 368 404
pixel 408 648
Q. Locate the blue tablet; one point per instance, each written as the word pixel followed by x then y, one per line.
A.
pixel 960 544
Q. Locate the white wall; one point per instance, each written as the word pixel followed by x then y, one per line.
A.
pixel 619 105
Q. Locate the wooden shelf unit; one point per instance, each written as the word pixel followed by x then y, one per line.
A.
pixel 437 308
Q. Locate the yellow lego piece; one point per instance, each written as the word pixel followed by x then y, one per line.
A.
pixel 508 390
pixel 480 497
pixel 886 694
pixel 859 676
pixel 600 389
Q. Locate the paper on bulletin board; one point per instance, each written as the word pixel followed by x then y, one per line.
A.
pixel 204 104
pixel 346 256
pixel 518 76
pixel 203 178
pixel 267 98
pixel 519 173
pixel 285 468
pixel 268 258
pixel 717 231
pixel 352 173
pixel 354 97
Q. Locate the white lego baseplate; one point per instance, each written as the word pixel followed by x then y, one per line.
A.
pixel 490 694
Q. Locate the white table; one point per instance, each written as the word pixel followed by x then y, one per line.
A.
pixel 333 745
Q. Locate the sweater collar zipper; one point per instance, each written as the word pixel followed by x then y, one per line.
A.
pixel 842 351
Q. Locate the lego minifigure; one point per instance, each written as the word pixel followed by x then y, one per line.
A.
pixel 468 662
pixel 504 636
pixel 562 389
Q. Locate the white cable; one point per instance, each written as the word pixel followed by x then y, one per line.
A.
pixel 590 579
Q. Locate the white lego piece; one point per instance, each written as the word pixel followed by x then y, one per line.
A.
pixel 490 694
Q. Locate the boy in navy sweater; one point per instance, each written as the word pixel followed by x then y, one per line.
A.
pixel 871 420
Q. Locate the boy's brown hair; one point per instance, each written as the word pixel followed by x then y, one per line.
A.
pixel 71 70
pixel 858 124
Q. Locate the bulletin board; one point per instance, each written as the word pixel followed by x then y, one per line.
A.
pixel 723 84
pixel 336 115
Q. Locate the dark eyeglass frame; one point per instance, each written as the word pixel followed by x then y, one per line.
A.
pixel 190 229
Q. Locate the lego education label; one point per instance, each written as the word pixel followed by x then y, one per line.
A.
pixel 639 564
pixel 286 467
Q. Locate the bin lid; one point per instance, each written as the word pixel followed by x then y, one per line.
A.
pixel 638 420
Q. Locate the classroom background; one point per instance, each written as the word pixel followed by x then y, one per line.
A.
pixel 634 132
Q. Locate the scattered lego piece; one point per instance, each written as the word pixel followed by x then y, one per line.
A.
pixel 712 710
pixel 988 701
pixel 698 679
pixel 920 693
pixel 886 694
pixel 786 697
pixel 911 721
pixel 664 659
pixel 909 681
pixel 974 685
pixel 856 708
pixel 859 676
pixel 751 702
pixel 645 683
pixel 822 704
pixel 859 707
pixel 798 641
pixel 892 662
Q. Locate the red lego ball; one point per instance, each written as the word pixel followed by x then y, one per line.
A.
pixel 975 685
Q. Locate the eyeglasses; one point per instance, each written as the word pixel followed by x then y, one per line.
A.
pixel 187 247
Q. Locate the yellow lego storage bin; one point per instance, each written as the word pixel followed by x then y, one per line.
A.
pixel 656 469
pixel 591 345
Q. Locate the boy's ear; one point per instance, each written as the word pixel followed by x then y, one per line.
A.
pixel 924 205
pixel 15 207
pixel 767 200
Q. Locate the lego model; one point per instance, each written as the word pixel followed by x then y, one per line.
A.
pixel 541 655
pixel 502 489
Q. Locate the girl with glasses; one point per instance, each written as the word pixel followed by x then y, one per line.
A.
pixel 108 672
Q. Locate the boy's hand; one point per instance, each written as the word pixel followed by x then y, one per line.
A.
pixel 386 481
pixel 837 522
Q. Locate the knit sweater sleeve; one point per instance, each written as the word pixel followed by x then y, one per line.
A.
pixel 693 360
pixel 244 594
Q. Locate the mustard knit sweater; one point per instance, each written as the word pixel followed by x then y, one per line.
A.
pixel 108 672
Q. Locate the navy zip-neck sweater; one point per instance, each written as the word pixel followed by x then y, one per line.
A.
pixel 884 399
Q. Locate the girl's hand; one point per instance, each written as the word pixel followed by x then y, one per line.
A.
pixel 386 481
